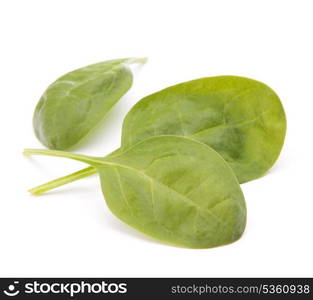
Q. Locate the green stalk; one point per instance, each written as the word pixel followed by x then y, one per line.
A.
pixel 38 190
pixel 66 179
pixel 63 180
pixel 80 157
pixel 137 60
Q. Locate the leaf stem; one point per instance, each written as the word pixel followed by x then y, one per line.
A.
pixel 137 60
pixel 38 190
pixel 66 179
pixel 80 157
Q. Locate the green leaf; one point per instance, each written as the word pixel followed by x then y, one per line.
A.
pixel 171 188
pixel 242 119
pixel 74 104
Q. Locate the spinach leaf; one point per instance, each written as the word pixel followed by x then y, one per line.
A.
pixel 75 103
pixel 173 189
pixel 242 119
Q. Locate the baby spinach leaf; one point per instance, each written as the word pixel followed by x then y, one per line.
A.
pixel 171 188
pixel 242 119
pixel 75 103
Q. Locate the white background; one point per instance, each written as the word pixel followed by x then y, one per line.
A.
pixel 70 231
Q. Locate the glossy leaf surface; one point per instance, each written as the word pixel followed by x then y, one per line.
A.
pixel 75 103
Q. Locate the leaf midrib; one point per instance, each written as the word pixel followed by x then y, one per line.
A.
pixel 229 125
